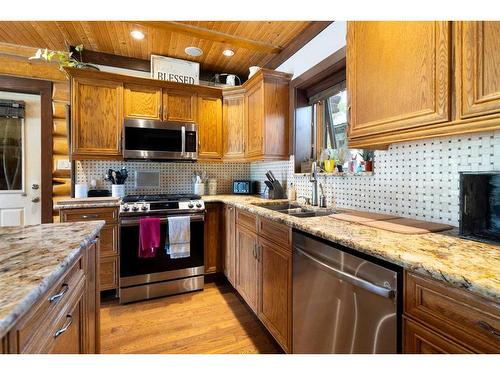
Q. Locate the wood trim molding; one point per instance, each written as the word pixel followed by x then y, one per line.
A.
pixel 109 59
pixel 297 43
pixel 44 89
pixel 207 34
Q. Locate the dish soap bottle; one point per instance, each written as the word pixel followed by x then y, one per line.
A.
pixel 291 192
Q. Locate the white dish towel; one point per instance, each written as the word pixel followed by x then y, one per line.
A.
pixel 178 240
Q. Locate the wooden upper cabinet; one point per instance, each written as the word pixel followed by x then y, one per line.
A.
pixel 398 76
pixel 254 107
pixel 142 102
pixel 234 125
pixel 97 119
pixel 478 72
pixel 267 115
pixel 209 114
pixel 179 106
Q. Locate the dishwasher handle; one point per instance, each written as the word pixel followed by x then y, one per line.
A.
pixel 354 280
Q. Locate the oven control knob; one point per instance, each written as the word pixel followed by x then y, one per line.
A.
pixel 198 205
pixel 135 208
pixel 144 207
pixel 190 205
pixel 125 207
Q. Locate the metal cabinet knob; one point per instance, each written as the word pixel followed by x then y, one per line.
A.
pixel 35 186
pixel 36 200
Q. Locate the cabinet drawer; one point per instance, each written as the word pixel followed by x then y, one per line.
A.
pixel 468 319
pixel 109 240
pixel 420 340
pixel 276 232
pixel 109 273
pixel 246 219
pixel 109 214
pixel 29 330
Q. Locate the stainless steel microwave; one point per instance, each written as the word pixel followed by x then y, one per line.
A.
pixel 159 140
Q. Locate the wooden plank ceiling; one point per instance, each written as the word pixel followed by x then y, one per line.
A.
pixel 254 42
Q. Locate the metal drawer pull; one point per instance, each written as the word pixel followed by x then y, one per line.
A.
pixel 489 328
pixel 69 320
pixel 90 216
pixel 354 280
pixel 58 296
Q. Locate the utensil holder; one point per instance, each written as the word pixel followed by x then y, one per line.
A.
pixel 118 191
pixel 199 188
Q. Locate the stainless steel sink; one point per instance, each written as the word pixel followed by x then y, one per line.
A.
pixel 296 210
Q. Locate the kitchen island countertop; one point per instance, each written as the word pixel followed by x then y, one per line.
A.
pixel 32 258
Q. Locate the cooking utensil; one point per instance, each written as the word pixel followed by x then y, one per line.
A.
pixel 272 176
pixel 269 185
pixel 269 177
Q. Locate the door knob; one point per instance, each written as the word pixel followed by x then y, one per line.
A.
pixel 35 186
pixel 36 200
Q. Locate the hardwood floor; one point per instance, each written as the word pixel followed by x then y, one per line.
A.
pixel 215 320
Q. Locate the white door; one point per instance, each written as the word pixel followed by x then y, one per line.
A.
pixel 20 163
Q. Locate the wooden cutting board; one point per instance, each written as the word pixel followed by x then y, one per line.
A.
pixel 408 226
pixel 360 217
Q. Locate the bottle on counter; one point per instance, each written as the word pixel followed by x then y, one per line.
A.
pixel 291 192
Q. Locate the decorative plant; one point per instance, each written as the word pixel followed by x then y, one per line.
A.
pixel 327 154
pixel 367 155
pixel 342 155
pixel 64 59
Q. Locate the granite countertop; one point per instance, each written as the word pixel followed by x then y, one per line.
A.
pixel 32 258
pixel 96 202
pixel 444 256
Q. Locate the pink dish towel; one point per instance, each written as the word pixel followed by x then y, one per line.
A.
pixel 149 236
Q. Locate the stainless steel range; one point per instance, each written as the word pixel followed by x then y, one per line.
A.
pixel 161 275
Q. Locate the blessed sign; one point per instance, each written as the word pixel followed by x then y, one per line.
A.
pixel 175 70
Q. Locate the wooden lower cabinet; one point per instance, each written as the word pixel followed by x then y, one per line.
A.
pixel 420 340
pixel 275 307
pixel 264 273
pixel 109 273
pixel 247 266
pixel 456 320
pixel 230 244
pixel 66 318
pixel 213 245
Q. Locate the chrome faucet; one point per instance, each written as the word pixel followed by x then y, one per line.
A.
pixel 314 180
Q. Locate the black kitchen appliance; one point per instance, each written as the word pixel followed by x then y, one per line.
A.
pixel 160 140
pixel 480 206
pixel 145 278
pixel 244 187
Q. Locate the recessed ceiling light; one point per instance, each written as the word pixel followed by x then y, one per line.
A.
pixel 136 34
pixel 228 52
pixel 193 51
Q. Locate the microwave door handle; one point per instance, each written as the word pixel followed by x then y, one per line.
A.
pixel 183 140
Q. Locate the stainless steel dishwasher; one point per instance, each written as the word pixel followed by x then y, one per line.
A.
pixel 342 303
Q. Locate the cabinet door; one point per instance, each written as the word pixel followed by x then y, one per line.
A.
pixel 108 273
pixel 254 109
pixel 212 238
pixel 179 106
pixel 398 76
pixel 97 118
pixel 69 337
pixel 421 340
pixel 247 267
pixel 142 102
pixel 234 126
pixel 230 244
pixel 478 83
pixel 275 305
pixel 209 128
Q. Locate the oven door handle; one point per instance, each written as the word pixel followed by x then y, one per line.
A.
pixel 128 222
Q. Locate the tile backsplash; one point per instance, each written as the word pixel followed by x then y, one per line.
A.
pixel 174 177
pixel 414 179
